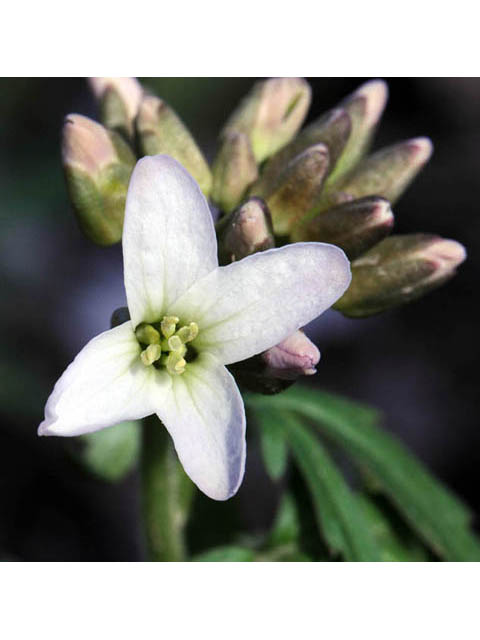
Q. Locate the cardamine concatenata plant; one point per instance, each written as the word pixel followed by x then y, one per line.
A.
pixel 224 264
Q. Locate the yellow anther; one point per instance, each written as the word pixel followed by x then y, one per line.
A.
pixel 176 363
pixel 188 333
pixel 168 326
pixel 175 344
pixel 147 334
pixel 151 354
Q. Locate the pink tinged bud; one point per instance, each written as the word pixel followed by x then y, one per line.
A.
pixel 161 131
pixel 86 145
pixel 128 89
pixel 97 164
pixel 375 94
pixel 397 270
pixel 234 170
pixel 354 226
pixel 387 172
pixel 247 230
pixel 365 107
pixel 298 188
pixel 271 114
pixel 332 129
pixel 295 356
pixel 446 255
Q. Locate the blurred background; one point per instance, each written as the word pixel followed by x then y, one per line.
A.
pixel 417 363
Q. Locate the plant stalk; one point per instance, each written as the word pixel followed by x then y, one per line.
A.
pixel 166 494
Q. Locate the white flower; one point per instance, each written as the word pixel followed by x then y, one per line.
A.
pixel 190 318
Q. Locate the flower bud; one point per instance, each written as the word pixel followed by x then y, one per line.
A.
pixel 234 170
pixel 277 368
pixel 364 107
pixel 160 131
pixel 295 356
pixel 298 188
pixel 271 114
pixel 246 231
pixel 397 270
pixel 97 165
pixel 354 226
pixel 119 316
pixel 119 100
pixel 333 129
pixel 387 172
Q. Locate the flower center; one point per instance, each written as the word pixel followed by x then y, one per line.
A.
pixel 165 345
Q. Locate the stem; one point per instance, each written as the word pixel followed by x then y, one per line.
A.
pixel 166 494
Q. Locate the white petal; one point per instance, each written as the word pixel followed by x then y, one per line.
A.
pixel 206 418
pixel 168 237
pixel 251 305
pixel 104 385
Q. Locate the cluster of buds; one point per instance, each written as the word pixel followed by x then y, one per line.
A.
pixel 271 181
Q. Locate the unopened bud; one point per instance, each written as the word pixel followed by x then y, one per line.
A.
pixel 234 170
pixel 295 356
pixel 271 114
pixel 247 230
pixel 387 172
pixel 354 226
pixel 119 100
pixel 332 129
pixel 397 270
pixel 98 164
pixel 119 316
pixel 298 188
pixel 160 131
pixel 365 107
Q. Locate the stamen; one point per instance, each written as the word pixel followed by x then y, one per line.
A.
pixel 176 363
pixel 187 334
pixel 175 344
pixel 151 354
pixel 166 347
pixel 147 334
pixel 168 325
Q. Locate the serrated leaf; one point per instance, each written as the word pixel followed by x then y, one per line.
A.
pixel 273 446
pixel 111 453
pixel 338 515
pixel 439 517
pixel 226 554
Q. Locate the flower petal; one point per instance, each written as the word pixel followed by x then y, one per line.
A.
pixel 168 237
pixel 206 418
pixel 251 305
pixel 104 385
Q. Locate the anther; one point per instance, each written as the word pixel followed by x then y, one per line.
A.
pixel 174 343
pixel 147 334
pixel 176 363
pixel 168 325
pixel 151 354
pixel 187 334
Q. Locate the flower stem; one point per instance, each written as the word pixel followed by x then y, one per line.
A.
pixel 166 494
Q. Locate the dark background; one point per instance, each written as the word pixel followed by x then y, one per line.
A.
pixel 418 363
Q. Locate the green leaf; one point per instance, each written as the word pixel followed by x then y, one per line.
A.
pixel 338 514
pixel 111 453
pixel 432 511
pixel 273 446
pixel 286 526
pixel 282 543
pixel 226 554
pixel 392 546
